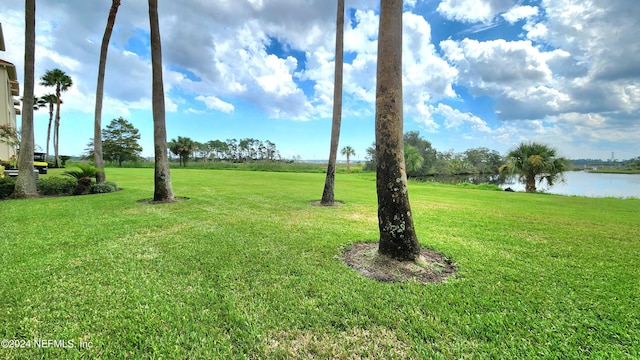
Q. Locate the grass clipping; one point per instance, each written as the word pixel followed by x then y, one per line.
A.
pixel 430 267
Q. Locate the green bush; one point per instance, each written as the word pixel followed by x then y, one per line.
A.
pixel 104 188
pixel 56 185
pixel 7 184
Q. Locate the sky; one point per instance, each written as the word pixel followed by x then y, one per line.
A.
pixel 477 73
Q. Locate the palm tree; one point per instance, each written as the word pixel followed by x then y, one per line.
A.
pixel 328 192
pixel 62 82
pixel 182 147
pixel 163 191
pixel 50 99
pixel 412 158
pixel 38 103
pixel 348 152
pixel 533 161
pixel 398 239
pixel 97 123
pixel 26 182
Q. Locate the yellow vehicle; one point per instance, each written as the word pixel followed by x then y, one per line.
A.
pixel 40 163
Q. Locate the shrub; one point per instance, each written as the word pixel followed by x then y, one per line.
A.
pixel 85 171
pixel 104 188
pixel 56 185
pixel 7 184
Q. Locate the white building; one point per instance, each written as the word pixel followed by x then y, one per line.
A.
pixel 8 104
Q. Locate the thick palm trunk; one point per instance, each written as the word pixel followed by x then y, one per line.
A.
pixel 397 235
pixel 97 124
pixel 530 183
pixel 329 184
pixel 163 190
pixel 26 182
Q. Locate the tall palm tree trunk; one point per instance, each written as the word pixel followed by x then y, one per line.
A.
pixel 98 160
pixel 56 130
pixel 163 190
pixel 26 182
pixel 49 130
pixel 329 184
pixel 397 235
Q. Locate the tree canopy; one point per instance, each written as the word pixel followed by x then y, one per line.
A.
pixel 433 162
pixel 182 147
pixel 534 162
pixel 120 141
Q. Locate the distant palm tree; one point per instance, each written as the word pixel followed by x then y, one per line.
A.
pixel 412 158
pixel 163 190
pixel 26 182
pixel 348 152
pixel 62 82
pixel 398 238
pixel 51 100
pixel 183 147
pixel 328 192
pixel 38 103
pixel 97 123
pixel 533 161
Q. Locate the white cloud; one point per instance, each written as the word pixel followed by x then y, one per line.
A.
pixel 516 74
pixel 473 10
pixel 214 103
pixel 520 12
pixel 454 118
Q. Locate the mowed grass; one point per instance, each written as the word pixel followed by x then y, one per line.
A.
pixel 247 269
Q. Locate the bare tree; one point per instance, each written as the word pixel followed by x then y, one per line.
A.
pixel 26 182
pixel 329 184
pixel 398 239
pixel 98 159
pixel 163 190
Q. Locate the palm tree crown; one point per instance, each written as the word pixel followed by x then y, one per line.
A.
pixel 412 158
pixel 533 161
pixel 183 147
pixel 58 79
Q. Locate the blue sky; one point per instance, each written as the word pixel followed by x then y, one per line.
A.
pixel 477 73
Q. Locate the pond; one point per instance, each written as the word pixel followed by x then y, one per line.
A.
pixel 584 183
pixel 580 183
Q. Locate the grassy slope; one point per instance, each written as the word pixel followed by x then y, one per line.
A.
pixel 247 269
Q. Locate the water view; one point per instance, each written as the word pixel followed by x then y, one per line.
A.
pixel 582 183
pixel 579 183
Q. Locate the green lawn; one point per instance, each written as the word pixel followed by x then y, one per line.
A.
pixel 247 269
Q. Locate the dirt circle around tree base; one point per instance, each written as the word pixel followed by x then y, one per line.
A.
pixel 319 203
pixel 431 267
pixel 153 202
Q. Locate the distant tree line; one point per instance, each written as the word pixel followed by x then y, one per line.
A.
pixel 423 160
pixel 233 150
pixel 633 163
